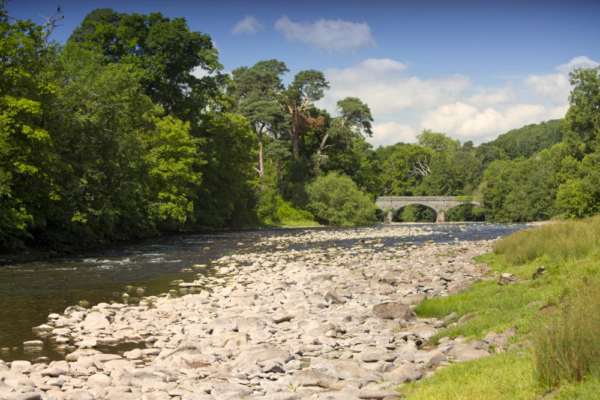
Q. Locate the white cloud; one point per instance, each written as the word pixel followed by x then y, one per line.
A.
pixel 248 25
pixel 391 133
pixel 552 87
pixel 469 123
pixel 199 72
pixel 555 88
pixel 577 62
pixel 485 97
pixel 384 86
pixel 330 35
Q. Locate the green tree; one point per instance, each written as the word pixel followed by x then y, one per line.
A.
pixel 335 199
pixel 257 91
pixel 297 101
pixel 582 122
pixel 437 141
pixel 28 163
pixel 354 121
pixel 166 52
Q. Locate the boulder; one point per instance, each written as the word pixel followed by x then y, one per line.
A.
pixel 393 310
pixel 312 378
pixel 95 321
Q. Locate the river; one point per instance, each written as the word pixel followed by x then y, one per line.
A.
pixel 29 291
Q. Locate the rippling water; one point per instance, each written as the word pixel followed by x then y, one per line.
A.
pixel 30 291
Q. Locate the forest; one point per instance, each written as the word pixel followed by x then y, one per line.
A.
pixel 113 136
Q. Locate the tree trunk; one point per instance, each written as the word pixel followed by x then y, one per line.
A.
pixel 280 177
pixel 295 147
pixel 320 151
pixel 261 165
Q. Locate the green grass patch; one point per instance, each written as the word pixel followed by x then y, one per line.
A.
pixel 561 242
pixel 563 323
pixel 498 307
pixel 568 349
pixel 501 376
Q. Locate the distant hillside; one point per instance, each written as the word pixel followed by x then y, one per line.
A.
pixel 530 139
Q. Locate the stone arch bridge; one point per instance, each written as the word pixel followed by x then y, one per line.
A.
pixel 439 204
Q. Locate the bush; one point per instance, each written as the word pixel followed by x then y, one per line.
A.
pixel 335 199
pixel 568 349
pixel 560 241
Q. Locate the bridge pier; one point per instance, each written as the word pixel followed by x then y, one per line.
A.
pixel 388 218
pixel 441 217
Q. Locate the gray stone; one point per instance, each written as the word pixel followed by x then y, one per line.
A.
pixel 392 310
pixel 312 378
pixel 406 372
pixel 95 321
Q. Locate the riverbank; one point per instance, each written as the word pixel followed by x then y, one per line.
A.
pixel 292 323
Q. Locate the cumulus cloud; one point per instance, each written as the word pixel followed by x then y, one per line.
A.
pixel 329 35
pixel 248 25
pixel 391 133
pixel 551 87
pixel 384 86
pixel 577 62
pixel 555 88
pixel 469 122
pixel 485 97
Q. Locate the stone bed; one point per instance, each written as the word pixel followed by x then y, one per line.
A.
pixel 332 323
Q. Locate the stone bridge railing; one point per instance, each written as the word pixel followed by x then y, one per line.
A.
pixel 439 204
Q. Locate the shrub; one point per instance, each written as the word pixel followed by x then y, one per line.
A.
pixel 335 199
pixel 568 349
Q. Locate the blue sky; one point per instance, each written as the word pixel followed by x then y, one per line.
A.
pixel 471 69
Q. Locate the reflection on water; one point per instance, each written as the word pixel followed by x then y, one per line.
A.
pixel 30 291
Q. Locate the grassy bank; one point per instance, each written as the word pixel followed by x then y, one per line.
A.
pixel 556 313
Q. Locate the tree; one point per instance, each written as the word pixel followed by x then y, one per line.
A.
pixel 582 122
pixel 165 52
pixel 335 199
pixel 28 163
pixel 354 121
pixel 257 91
pixel 437 141
pixel 278 152
pixel 307 87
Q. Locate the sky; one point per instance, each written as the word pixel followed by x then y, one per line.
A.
pixel 470 69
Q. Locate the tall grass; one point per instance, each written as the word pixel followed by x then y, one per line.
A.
pixel 568 349
pixel 561 242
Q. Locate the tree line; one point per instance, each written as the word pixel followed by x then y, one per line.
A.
pixel 114 136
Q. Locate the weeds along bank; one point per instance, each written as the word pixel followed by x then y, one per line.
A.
pixel 555 310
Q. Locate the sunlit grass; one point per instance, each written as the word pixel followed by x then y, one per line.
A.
pixel 563 323
pixel 562 241
pixel 502 376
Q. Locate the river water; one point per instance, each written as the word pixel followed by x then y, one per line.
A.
pixel 32 290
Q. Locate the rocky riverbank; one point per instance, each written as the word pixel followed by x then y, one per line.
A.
pixel 333 323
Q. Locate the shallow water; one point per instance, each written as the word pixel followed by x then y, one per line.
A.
pixel 32 290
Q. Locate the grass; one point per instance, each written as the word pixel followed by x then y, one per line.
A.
pixel 560 242
pixel 568 349
pixel 563 324
pixel 503 376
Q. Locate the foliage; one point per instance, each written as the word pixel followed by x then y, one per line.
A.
pixel 336 200
pixel 520 191
pixel 528 140
pixel 582 122
pixel 437 141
